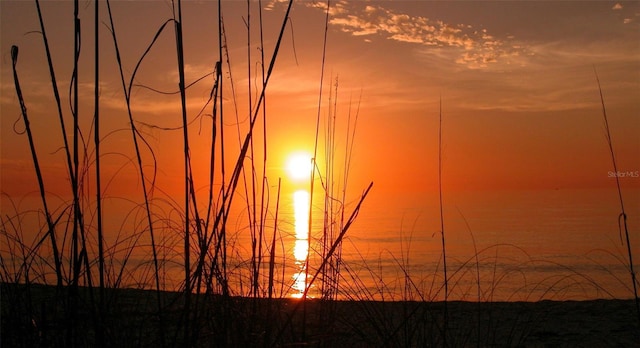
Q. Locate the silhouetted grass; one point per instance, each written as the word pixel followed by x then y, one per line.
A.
pixel 622 218
pixel 177 274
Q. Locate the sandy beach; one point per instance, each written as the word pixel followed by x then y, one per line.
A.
pixel 599 323
pixel 131 319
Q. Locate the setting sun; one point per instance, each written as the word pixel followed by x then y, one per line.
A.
pixel 299 165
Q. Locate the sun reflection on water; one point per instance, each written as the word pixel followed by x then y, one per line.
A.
pixel 301 250
pixel 301 213
pixel 301 246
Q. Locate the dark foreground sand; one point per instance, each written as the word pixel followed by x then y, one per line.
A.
pixel 38 317
pixel 599 323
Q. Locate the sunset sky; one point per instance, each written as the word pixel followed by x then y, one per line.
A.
pixel 520 103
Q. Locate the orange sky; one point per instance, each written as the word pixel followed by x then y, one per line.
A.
pixel 520 103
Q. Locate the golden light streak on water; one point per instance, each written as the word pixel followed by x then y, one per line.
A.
pixel 301 250
pixel 301 214
pixel 301 246
pixel 299 283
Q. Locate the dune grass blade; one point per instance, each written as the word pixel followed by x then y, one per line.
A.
pixel 202 226
pixel 34 156
pixel 223 231
pixel 135 134
pixel 187 190
pixel 264 188
pixel 315 146
pixel 96 115
pixel 444 249
pixel 56 94
pixel 623 216
pixel 80 252
pixel 272 257
pixel 251 199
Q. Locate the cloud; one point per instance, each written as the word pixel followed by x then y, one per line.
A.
pixel 617 6
pixel 355 26
pixel 475 48
pixel 272 4
pixel 335 8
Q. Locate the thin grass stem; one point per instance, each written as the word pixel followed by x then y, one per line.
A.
pixel 50 224
pixel 444 249
pixel 622 218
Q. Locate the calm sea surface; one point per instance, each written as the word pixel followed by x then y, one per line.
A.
pixel 500 245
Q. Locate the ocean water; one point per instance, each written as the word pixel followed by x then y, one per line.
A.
pixel 500 246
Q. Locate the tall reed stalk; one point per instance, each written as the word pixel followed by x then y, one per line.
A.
pixel 79 253
pixel 187 165
pixel 314 160
pixel 96 133
pixel 622 218
pixel 444 249
pixel 50 223
pixel 56 94
pixel 265 187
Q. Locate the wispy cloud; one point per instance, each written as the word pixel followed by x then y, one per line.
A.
pixel 476 48
pixel 272 4
pixel 617 6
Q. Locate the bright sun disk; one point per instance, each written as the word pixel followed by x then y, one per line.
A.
pixel 299 166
